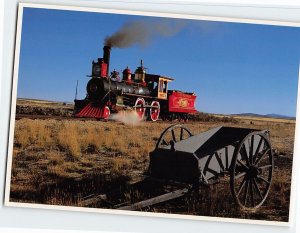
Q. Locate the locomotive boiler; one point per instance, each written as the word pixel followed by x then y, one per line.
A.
pixel 146 94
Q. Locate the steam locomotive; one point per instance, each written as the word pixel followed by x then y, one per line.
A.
pixel 147 94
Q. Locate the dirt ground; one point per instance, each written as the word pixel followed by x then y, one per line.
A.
pixel 69 162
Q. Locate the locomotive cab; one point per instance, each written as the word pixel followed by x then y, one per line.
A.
pixel 163 87
pixel 158 85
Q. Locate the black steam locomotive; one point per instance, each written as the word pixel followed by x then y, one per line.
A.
pixel 147 94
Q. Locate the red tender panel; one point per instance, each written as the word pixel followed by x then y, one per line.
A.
pixel 103 67
pixel 182 102
pixel 91 111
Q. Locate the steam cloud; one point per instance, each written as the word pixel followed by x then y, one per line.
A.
pixel 141 32
pixel 127 117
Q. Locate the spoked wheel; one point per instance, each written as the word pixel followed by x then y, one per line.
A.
pixel 251 171
pixel 139 108
pixel 154 110
pixel 172 134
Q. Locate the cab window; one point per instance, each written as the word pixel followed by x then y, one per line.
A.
pixel 161 86
pixel 165 86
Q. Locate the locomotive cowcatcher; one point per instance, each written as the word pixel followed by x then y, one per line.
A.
pixel 146 94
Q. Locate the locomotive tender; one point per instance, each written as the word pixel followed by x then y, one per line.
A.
pixel 147 94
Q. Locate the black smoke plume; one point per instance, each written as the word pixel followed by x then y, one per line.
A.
pixel 141 32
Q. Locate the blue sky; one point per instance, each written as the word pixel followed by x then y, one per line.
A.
pixel 232 67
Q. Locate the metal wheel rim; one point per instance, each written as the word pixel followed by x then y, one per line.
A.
pixel 171 129
pixel 154 112
pixel 139 108
pixel 249 189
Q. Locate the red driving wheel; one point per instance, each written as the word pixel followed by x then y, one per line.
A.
pixel 154 110
pixel 139 108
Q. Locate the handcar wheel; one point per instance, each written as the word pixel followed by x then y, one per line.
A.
pixel 139 108
pixel 251 171
pixel 154 110
pixel 173 134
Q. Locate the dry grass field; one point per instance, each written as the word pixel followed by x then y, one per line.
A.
pixel 62 161
pixel 43 108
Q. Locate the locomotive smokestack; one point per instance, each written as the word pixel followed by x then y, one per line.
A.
pixel 106 57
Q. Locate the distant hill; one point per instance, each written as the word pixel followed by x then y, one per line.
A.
pixel 272 115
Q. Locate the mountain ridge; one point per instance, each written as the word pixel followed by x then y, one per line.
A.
pixel 271 115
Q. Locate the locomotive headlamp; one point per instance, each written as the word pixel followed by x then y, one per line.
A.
pixel 96 69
